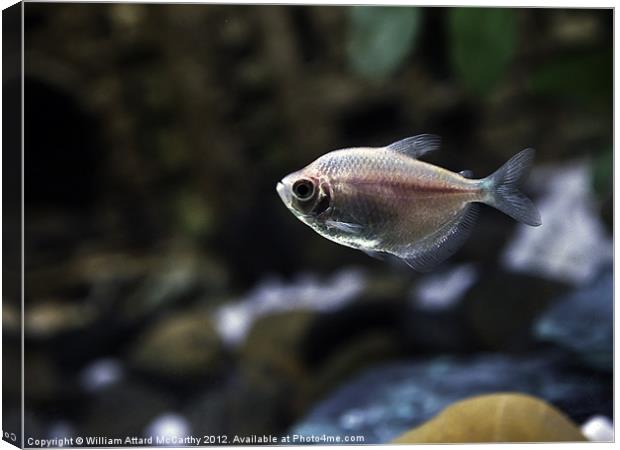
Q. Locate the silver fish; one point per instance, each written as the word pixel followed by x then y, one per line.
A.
pixel 385 201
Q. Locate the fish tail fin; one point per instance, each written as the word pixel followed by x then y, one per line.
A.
pixel 503 189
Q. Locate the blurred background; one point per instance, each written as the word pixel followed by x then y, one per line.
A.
pixel 168 289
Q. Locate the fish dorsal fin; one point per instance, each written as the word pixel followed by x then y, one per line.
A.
pixel 416 146
pixel 426 254
pixel 466 173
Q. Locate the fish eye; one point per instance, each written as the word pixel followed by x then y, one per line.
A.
pixel 303 189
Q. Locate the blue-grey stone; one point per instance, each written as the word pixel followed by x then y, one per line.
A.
pixel 582 322
pixel 386 401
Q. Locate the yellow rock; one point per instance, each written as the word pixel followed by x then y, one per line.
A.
pixel 502 417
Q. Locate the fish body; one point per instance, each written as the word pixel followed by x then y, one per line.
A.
pixel 385 201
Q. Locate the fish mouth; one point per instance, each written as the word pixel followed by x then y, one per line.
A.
pixel 284 193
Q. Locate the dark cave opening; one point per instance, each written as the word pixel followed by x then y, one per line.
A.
pixel 61 150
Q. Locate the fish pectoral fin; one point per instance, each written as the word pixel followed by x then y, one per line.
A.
pixel 347 227
pixel 434 249
pixel 416 146
pixel 376 255
pixel 466 173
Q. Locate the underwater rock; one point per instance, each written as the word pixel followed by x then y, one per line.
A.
pixel 272 295
pixel 179 275
pixel 272 353
pixel 181 345
pixel 572 243
pixel 385 401
pixel 308 353
pixel 249 402
pixel 509 417
pixel 168 425
pixel 391 281
pixel 501 307
pixel 101 374
pixel 211 410
pixel 442 290
pixel 275 341
pixel 436 319
pixel 272 378
pixel 598 429
pixel 122 410
pixel 264 402
pixel 333 334
pixel 436 332
pixel 582 322
pixel 361 352
pixel 52 318
pixel 291 358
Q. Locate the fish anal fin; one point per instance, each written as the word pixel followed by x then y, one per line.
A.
pixel 434 249
pixel 375 254
pixel 416 146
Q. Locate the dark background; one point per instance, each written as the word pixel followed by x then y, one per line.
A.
pixel 154 138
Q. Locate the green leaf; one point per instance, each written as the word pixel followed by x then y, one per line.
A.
pixel 483 42
pixel 603 172
pixel 380 38
pixel 194 215
pixel 586 76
